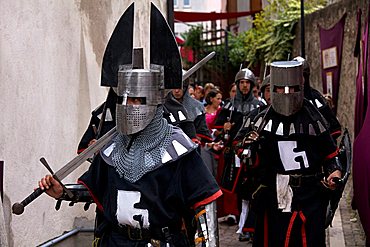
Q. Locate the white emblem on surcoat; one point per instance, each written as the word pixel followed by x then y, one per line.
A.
pixel 289 156
pixel 126 210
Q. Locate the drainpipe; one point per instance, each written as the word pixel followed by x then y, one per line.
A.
pixel 65 236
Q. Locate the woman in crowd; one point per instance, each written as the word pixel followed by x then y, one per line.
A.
pixel 213 100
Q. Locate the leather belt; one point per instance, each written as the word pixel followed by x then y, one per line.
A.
pixel 133 233
pixel 297 180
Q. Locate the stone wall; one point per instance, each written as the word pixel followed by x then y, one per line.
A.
pixel 327 18
pixel 50 63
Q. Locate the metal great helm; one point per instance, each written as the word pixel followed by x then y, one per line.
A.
pixel 145 85
pixel 286 76
pixel 123 69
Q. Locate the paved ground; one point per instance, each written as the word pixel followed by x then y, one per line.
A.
pixel 346 231
pixel 352 229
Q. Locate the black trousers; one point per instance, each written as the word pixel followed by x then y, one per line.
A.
pixel 306 222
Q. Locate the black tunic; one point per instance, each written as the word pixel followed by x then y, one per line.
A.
pixel 159 199
pixel 299 144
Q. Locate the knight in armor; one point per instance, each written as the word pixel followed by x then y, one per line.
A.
pixel 266 100
pixel 176 114
pixel 246 185
pixel 184 109
pixel 292 155
pixel 149 175
pixel 228 122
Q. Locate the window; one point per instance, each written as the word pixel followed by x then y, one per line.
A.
pixel 186 3
pixel 175 3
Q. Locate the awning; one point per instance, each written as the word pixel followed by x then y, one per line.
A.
pixel 209 16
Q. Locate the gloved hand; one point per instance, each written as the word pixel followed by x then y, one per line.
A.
pixel 251 137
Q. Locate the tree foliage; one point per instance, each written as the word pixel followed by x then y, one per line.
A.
pixel 193 37
pixel 272 35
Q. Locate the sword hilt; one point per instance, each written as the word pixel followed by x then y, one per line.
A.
pixel 45 163
pixel 18 207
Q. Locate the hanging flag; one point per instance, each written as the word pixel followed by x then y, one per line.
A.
pixel 361 155
pixel 1 180
pixel 331 42
pixel 361 52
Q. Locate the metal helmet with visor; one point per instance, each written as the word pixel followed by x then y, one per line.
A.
pixel 286 85
pixel 123 69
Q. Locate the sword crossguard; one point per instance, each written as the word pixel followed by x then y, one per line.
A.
pixel 45 163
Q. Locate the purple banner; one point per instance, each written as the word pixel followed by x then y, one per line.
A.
pixel 360 107
pixel 361 154
pixel 1 179
pixel 331 41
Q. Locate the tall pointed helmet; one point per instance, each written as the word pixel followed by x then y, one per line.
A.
pixel 123 70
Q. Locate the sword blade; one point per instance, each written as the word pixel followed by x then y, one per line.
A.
pixel 87 153
pixel 18 208
pixel 197 66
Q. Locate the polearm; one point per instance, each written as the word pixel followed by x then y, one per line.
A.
pixel 303 54
pixel 18 208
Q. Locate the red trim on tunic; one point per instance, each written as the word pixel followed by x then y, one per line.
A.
pixel 80 150
pixel 204 137
pixel 100 207
pixel 336 133
pixel 332 155
pixel 196 141
pixel 248 229
pixel 208 199
pixel 236 180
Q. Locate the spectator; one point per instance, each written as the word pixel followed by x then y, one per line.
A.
pixel 191 91
pixel 199 93
pixel 213 99
pixel 232 90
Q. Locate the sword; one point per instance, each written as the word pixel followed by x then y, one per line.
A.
pixel 197 66
pixel 18 208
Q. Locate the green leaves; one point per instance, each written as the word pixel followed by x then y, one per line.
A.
pixel 193 38
pixel 272 35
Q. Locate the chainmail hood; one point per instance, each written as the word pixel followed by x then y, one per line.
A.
pixel 146 150
pixel 245 103
pixel 192 106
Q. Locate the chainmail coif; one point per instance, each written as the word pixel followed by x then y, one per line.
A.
pixel 193 107
pixel 146 151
